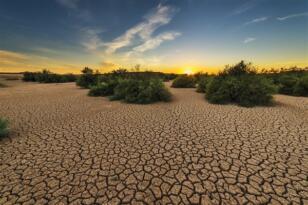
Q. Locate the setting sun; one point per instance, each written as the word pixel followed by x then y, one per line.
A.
pixel 188 71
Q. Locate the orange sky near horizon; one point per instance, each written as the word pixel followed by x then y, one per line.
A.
pixel 11 62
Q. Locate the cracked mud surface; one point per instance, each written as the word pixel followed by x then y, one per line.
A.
pixel 67 148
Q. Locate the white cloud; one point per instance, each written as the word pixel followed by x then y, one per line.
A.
pixel 249 40
pixel 156 41
pixel 244 7
pixel 91 39
pixel 143 30
pixel 71 4
pixel 292 16
pixel 257 20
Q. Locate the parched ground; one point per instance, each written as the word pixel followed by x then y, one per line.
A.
pixel 68 148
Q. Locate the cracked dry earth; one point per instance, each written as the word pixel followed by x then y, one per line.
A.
pixel 68 148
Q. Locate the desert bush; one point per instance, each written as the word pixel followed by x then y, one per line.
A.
pixel 141 91
pixel 239 69
pixel 219 90
pixel 202 83
pixel 3 127
pixel 68 78
pixel 87 78
pixel 47 77
pixel 255 90
pixel 287 84
pixel 184 81
pixel 301 87
pixel 290 81
pixel 168 76
pixel 240 84
pixel 103 88
pixel 200 75
pixel 29 76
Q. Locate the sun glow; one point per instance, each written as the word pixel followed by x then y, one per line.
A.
pixel 188 71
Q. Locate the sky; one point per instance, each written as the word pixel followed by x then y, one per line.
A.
pixel 159 35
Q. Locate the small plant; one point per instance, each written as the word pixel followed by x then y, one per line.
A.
pixel 3 127
pixel 103 88
pixel 202 83
pixel 29 76
pixel 241 85
pixel 47 77
pixel 239 69
pixel 141 91
pixel 287 84
pixel 87 79
pixel 184 81
pixel 290 81
pixel 301 87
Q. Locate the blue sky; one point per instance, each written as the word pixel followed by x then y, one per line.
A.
pixel 165 35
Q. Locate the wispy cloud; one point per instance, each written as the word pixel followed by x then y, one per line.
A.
pixel 257 20
pixel 156 41
pixel 91 40
pixel 12 56
pixel 244 7
pixel 70 4
pixel 292 16
pixel 249 40
pixel 144 30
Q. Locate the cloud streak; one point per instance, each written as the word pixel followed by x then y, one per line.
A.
pixel 144 30
pixel 257 20
pixel 92 40
pixel 292 16
pixel 12 56
pixel 244 7
pixel 249 40
pixel 156 41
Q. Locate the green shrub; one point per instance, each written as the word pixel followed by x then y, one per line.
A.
pixel 103 88
pixel 240 85
pixel 29 76
pixel 239 69
pixel 290 81
pixel 68 78
pixel 202 83
pixel 98 90
pixel 168 76
pixel 87 78
pixel 3 127
pixel 255 90
pixel 200 75
pixel 47 77
pixel 121 89
pixel 219 90
pixel 301 87
pixel 184 81
pixel 287 84
pixel 141 91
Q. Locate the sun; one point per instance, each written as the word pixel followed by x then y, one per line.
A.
pixel 188 71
